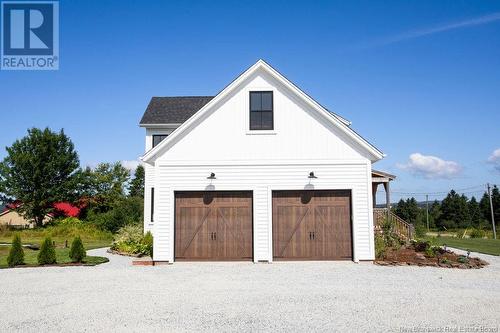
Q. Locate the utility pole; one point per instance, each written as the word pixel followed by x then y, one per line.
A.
pixel 427 210
pixel 492 214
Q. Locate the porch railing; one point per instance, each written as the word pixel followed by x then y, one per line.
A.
pixel 402 228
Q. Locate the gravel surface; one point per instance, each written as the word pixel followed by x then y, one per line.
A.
pixel 235 296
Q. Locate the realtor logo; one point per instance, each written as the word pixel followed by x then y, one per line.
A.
pixel 30 35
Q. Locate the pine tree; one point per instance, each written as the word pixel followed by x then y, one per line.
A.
pixel 77 251
pixel 495 198
pixel 475 213
pixel 47 254
pixel 434 214
pixel 16 254
pixel 484 206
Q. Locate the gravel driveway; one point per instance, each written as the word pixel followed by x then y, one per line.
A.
pixel 283 296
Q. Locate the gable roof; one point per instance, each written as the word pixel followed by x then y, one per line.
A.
pixel 340 122
pixel 172 110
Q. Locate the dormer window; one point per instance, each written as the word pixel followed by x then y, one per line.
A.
pixel 261 110
pixel 158 138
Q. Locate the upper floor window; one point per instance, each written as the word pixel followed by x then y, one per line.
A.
pixel 261 110
pixel 158 138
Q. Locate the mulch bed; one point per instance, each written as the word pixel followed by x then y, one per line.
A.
pixel 408 256
pixel 55 265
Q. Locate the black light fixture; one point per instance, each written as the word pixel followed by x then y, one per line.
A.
pixel 311 175
pixel 212 176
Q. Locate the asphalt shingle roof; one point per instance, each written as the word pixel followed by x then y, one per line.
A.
pixel 173 110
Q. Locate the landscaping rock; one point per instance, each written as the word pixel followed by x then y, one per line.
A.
pixel 420 256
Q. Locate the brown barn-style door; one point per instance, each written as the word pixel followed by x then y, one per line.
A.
pixel 312 225
pixel 213 225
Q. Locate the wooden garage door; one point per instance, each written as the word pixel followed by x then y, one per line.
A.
pixel 213 225
pixel 312 225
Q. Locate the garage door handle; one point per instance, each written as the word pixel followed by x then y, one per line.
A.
pixel 310 235
pixel 215 236
pixel 212 236
pixel 314 235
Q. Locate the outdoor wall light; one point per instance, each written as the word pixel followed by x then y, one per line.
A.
pixel 212 176
pixel 311 175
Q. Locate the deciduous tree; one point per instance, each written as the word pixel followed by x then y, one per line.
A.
pixel 136 188
pixel 39 170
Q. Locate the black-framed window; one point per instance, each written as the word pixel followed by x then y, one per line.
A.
pixel 261 110
pixel 152 203
pixel 158 138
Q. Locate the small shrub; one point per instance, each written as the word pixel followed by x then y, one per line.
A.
pixel 380 247
pixel 421 246
pixel 132 240
pixel 438 250
pixel 445 261
pixel 463 259
pixel 16 253
pixel 77 251
pixel 420 230
pixel 477 233
pixel 47 254
pixel 429 252
pixel 147 241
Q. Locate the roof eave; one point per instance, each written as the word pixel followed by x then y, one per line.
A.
pixel 164 125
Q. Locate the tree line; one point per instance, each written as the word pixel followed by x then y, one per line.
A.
pixel 454 211
pixel 43 168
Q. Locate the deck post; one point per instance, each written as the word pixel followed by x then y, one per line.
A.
pixel 387 199
pixel 374 194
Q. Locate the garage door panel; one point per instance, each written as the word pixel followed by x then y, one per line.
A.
pixel 311 225
pixel 213 225
pixel 331 228
pixel 193 239
pixel 234 232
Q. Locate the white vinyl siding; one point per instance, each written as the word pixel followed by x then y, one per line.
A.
pixel 262 179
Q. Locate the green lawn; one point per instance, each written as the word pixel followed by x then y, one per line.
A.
pixel 487 246
pixel 62 254
pixel 61 234
pixel 92 237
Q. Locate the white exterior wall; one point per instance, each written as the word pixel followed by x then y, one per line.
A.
pixel 262 180
pixel 261 161
pixel 300 133
pixel 149 176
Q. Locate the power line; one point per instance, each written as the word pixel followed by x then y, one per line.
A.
pixel 462 190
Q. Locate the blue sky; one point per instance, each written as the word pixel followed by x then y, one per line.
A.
pixel 419 79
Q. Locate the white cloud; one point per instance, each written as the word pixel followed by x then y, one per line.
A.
pixel 480 20
pixel 131 165
pixel 495 159
pixel 431 167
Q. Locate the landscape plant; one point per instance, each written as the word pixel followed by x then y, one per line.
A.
pixel 476 233
pixel 16 254
pixel 132 240
pixel 77 252
pixel 32 164
pixel 123 212
pixel 47 254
